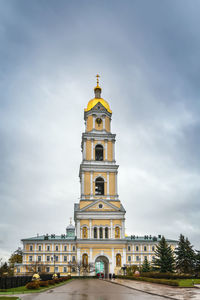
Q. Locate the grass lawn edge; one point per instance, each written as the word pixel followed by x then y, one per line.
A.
pixel 35 291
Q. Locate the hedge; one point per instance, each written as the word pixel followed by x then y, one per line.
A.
pixel 166 275
pixel 153 280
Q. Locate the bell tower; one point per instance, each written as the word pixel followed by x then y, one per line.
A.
pixel 99 214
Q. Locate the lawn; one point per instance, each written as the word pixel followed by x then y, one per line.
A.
pixel 8 298
pixel 24 290
pixel 188 282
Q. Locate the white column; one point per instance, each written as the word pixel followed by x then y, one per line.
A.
pixel 124 257
pixel 78 254
pixel 43 258
pixel 112 267
pixel 108 185
pixel 123 229
pixel 52 248
pixel 111 229
pixel 84 149
pixel 90 233
pixel 113 148
pixel 93 122
pixel 91 184
pixel 78 229
pixel 82 183
pixel 90 255
pixel 97 232
pixel 103 122
pixel 106 149
pixel 92 149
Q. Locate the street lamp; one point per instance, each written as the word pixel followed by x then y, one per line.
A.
pixel 70 266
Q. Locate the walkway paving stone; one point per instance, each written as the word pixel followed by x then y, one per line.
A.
pixel 161 290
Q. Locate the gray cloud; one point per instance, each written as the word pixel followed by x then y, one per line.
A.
pixel 148 56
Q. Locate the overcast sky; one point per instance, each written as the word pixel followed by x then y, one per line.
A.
pixel 148 56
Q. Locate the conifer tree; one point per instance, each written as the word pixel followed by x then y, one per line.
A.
pixel 146 266
pixel 185 256
pixel 164 259
pixel 197 262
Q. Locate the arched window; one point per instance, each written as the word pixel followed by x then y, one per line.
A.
pixel 101 232
pixel 118 260
pixel 106 233
pixel 99 152
pixel 95 233
pixel 117 232
pixel 85 233
pixel 99 186
pixel 85 260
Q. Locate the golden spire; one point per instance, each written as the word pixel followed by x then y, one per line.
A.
pixel 97 76
pixel 97 89
pixel 70 221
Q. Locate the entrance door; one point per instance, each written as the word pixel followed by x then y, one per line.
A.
pixel 102 265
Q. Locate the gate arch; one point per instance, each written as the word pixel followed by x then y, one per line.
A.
pixel 105 261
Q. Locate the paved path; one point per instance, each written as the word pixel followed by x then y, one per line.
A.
pixel 162 290
pixel 90 289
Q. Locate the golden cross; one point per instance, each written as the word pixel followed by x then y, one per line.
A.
pixel 97 76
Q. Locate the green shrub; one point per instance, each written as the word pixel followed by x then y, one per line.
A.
pixel 33 285
pixel 44 283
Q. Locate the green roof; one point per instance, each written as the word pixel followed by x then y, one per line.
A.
pixel 147 238
pixel 51 237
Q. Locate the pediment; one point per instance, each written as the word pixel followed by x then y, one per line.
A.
pixel 99 107
pixel 100 205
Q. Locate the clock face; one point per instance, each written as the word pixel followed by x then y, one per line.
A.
pixel 99 121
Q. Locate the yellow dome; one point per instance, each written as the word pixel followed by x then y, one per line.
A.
pixel 94 101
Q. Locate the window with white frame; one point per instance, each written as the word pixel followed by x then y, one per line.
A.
pixel 145 248
pixel 48 248
pixel 145 257
pixel 47 269
pixel 56 248
pixel 74 248
pixel 56 258
pixel 137 258
pixel 65 248
pixel 153 248
pixel 30 258
pixel 73 258
pixel 56 269
pixel 136 248
pixel 65 258
pixel 64 269
pixel 39 258
pixel 31 248
pixel 39 248
pixel 129 248
pixel 129 258
pixel 48 258
pixel 18 270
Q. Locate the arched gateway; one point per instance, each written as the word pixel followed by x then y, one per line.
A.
pixel 102 265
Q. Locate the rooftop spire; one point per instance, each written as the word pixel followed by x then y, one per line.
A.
pixel 97 89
